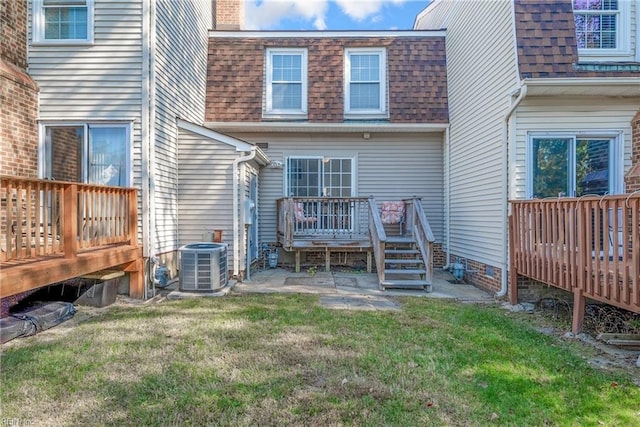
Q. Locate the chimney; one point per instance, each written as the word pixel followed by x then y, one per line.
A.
pixel 228 15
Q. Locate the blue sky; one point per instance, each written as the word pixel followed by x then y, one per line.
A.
pixel 332 14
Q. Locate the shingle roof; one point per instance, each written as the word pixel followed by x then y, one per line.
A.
pixel 547 45
pixel 417 77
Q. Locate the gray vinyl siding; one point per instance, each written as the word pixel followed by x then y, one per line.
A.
pixel 544 114
pixel 482 74
pixel 180 76
pixel 388 166
pixel 205 189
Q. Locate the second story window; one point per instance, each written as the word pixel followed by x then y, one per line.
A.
pixel 365 82
pixel 63 21
pixel 602 27
pixel 286 91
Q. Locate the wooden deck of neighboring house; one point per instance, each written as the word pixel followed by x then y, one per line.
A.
pixel 589 246
pixel 52 231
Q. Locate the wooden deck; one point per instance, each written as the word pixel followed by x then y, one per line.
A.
pixel 52 231
pixel 588 246
pixel 353 224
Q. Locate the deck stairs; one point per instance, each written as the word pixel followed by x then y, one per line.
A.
pixel 404 267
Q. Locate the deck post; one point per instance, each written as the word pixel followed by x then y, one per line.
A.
pixel 578 311
pixel 327 260
pixel 133 218
pixel 513 273
pixel 297 261
pixel 136 278
pixel 70 220
pixel 368 261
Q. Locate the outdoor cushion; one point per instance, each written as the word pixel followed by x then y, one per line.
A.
pixel 300 215
pixel 392 212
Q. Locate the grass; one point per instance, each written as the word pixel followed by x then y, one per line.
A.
pixel 284 360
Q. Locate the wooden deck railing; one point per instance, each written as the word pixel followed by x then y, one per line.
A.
pixel 322 218
pixel 589 246
pixel 41 218
pixel 378 237
pixel 422 233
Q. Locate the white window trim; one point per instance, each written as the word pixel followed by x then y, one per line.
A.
pixel 354 163
pixel 269 111
pixel 42 152
pixel 616 160
pixel 377 113
pixel 623 41
pixel 38 27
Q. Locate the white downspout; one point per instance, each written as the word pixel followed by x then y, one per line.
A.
pixel 522 93
pixel 236 206
pixel 447 202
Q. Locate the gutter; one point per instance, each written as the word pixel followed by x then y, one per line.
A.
pixel 522 93
pixel 236 206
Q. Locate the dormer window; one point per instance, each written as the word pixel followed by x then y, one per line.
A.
pixel 602 29
pixel 365 83
pixel 286 91
pixel 63 21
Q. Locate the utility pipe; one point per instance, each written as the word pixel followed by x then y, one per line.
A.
pixel 522 93
pixel 236 206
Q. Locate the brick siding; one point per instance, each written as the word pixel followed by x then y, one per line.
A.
pixel 480 275
pixel 417 78
pixel 64 156
pixel 18 95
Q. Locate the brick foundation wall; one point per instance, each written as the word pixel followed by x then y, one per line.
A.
pixel 532 291
pixel 483 276
pixel 632 178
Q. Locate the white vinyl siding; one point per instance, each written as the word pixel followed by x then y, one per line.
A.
pixel 205 190
pixel 387 166
pixel 180 76
pixel 599 115
pixel 481 75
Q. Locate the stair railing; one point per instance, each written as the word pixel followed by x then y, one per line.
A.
pixel 378 237
pixel 423 236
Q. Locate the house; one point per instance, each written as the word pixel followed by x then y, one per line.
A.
pixel 544 101
pixel 342 116
pixel 113 78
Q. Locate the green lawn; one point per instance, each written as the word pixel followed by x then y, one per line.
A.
pixel 284 360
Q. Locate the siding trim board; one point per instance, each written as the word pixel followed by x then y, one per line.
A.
pixel 323 34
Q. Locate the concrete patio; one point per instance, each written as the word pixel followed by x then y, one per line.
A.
pixel 352 289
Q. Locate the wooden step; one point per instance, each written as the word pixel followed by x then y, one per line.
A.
pixel 400 239
pixel 401 252
pixel 406 284
pixel 403 271
pixel 403 261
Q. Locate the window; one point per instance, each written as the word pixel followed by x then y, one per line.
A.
pixel 90 153
pixel 573 165
pixel 365 82
pixel 602 26
pixel 63 21
pixel 319 177
pixel 286 92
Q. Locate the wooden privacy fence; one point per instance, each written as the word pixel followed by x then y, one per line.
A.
pixel 42 218
pixel 589 246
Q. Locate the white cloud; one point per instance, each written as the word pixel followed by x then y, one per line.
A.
pixel 268 13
